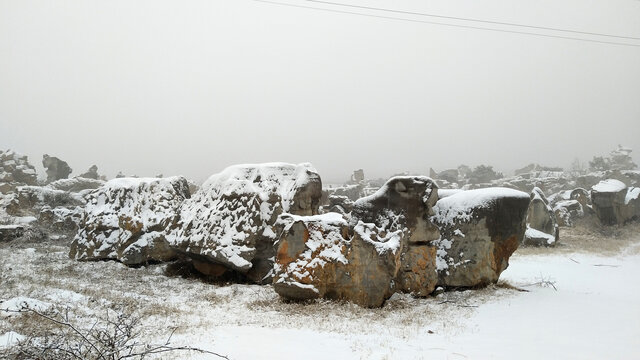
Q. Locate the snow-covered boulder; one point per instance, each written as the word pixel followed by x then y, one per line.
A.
pixel 383 247
pixel 480 229
pixel 56 168
pixel 15 170
pixel 130 220
pixel 77 184
pixel 319 257
pixel 542 219
pixel 609 201
pixel 92 173
pixel 10 232
pixel 566 211
pixel 338 203
pixel 231 220
pixel 405 203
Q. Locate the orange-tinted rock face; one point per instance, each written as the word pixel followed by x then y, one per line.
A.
pixel 319 257
pixel 382 248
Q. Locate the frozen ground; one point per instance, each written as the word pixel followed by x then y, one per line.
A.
pixel 592 313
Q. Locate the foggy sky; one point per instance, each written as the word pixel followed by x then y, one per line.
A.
pixel 190 87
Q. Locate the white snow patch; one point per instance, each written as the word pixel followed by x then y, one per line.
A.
pixel 609 185
pixel 10 339
pixel 458 207
pixel 632 194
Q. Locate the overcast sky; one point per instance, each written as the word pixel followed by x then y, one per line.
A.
pixel 190 87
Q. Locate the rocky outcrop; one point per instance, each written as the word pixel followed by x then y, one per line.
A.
pixel 92 173
pixel 609 202
pixel 405 203
pixel 339 204
pixel 76 185
pixel 130 220
pixel 230 221
pixel 56 168
pixel 15 171
pixel 542 225
pixel 384 247
pixel 480 229
pixel 319 257
pixel 10 232
pixel 30 200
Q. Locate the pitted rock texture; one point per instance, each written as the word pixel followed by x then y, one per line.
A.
pixel 231 220
pixel 130 220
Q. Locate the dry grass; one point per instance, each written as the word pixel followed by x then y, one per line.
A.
pixel 167 295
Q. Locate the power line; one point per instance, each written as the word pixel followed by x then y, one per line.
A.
pixel 445 24
pixel 472 19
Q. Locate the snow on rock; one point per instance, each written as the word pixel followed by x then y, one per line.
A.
pixel 384 247
pixel 76 184
pixel 459 206
pixel 15 170
pixel 609 199
pixel 130 220
pixel 609 186
pixel 480 229
pixel 230 220
pixel 10 232
pixel 10 339
pixel 30 200
pixel 633 193
pixel 542 218
pixel 319 257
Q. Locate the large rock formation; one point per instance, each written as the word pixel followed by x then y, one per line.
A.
pixel 542 226
pixel 15 170
pixel 608 198
pixel 92 173
pixel 386 246
pixel 10 232
pixel 76 185
pixel 229 222
pixel 319 257
pixel 30 200
pixel 480 230
pixel 130 220
pixel 56 168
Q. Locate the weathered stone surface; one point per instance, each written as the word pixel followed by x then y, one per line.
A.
pixel 61 220
pixel 540 217
pixel 130 220
pixel 480 230
pixel 608 199
pixel 318 257
pixel 92 173
pixel 339 204
pixel 406 203
pixel 15 170
pixel 230 220
pixel 30 200
pixel 385 246
pixel 56 168
pixel 567 211
pixel 10 232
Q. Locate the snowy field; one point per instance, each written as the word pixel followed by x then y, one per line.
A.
pixel 576 301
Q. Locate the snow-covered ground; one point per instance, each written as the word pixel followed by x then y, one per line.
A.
pixel 578 304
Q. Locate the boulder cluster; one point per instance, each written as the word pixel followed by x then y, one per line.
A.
pixel 274 223
pixel 265 222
